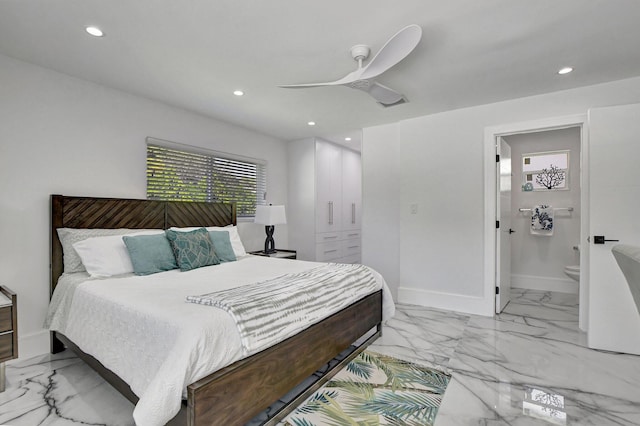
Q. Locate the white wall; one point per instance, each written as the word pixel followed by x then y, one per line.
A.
pixel 539 262
pixel 301 211
pixel 67 136
pixel 380 203
pixel 441 169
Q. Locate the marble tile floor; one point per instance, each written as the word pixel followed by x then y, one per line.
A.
pixel 527 366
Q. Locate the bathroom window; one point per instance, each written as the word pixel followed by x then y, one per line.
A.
pixel 545 171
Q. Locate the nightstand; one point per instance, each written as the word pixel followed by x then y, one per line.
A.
pixel 8 329
pixel 280 254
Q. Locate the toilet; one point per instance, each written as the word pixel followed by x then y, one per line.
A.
pixel 573 272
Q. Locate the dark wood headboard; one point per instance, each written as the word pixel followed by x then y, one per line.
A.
pixel 111 213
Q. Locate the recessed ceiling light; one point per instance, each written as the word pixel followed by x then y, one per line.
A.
pixel 311 123
pixel 238 92
pixel 94 31
pixel 565 70
pixel 347 139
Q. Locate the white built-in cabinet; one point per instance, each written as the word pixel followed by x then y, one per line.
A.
pixel 324 210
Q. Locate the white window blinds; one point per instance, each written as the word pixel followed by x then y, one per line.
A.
pixel 177 175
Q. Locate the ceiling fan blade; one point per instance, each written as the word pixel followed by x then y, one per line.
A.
pixel 349 78
pixel 302 86
pixel 395 49
pixel 384 94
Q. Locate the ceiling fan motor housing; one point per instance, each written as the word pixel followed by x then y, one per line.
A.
pixel 360 52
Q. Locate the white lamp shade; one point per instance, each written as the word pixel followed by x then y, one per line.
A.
pixel 270 215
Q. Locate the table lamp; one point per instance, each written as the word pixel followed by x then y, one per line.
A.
pixel 269 216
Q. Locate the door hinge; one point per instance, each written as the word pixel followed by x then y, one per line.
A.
pixel 497 158
pixel 497 290
pixel 497 224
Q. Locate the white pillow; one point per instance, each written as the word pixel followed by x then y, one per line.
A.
pixel 107 256
pixel 70 236
pixel 236 242
pixel 234 237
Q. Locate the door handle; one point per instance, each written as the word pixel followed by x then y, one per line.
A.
pixel 511 231
pixel 600 239
pixel 353 213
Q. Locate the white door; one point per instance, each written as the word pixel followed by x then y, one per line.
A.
pixel 614 202
pixel 503 240
pixel 351 190
pixel 328 187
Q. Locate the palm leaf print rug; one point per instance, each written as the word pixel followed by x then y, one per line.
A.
pixel 374 389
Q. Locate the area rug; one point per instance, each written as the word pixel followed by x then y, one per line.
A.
pixel 374 389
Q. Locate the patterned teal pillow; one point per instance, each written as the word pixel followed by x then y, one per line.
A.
pixel 150 253
pixel 192 249
pixel 222 246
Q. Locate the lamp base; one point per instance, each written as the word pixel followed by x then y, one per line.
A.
pixel 269 244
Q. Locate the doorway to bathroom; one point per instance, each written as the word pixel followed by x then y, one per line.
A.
pixel 534 261
pixel 545 210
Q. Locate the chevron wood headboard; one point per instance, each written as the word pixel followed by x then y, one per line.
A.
pixel 110 213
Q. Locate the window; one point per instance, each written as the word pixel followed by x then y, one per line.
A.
pixel 178 174
pixel 543 171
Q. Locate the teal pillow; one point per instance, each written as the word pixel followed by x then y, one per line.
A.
pixel 222 246
pixel 192 249
pixel 150 253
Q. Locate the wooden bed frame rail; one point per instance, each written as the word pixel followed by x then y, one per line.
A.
pixel 235 394
pixel 278 369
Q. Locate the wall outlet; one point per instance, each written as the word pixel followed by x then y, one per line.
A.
pixel 413 208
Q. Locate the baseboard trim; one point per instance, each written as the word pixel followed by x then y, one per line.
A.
pixel 448 301
pixel 33 344
pixel 531 282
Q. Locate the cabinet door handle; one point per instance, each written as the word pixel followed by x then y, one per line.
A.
pixel 329 251
pixel 331 237
pixel 353 247
pixel 353 212
pixel 330 212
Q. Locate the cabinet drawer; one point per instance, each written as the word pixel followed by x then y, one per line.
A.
pixel 5 319
pixel 6 346
pixel 349 235
pixel 327 237
pixel 354 258
pixel 350 247
pixel 328 251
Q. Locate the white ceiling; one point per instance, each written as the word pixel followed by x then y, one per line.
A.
pixel 194 53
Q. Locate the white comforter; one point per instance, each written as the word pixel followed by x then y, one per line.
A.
pixel 142 329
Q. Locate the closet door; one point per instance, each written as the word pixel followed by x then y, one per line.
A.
pixel 351 190
pixel 328 187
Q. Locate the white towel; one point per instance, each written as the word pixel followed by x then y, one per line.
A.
pixel 542 220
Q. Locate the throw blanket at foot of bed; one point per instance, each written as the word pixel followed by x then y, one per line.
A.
pixel 270 311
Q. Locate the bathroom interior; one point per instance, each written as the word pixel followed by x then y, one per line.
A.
pixel 547 261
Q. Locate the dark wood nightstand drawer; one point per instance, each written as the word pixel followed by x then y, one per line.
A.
pixel 6 346
pixel 6 322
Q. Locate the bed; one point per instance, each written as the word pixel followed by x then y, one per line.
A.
pixel 235 393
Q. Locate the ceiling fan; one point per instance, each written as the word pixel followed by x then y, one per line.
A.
pixel 395 50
